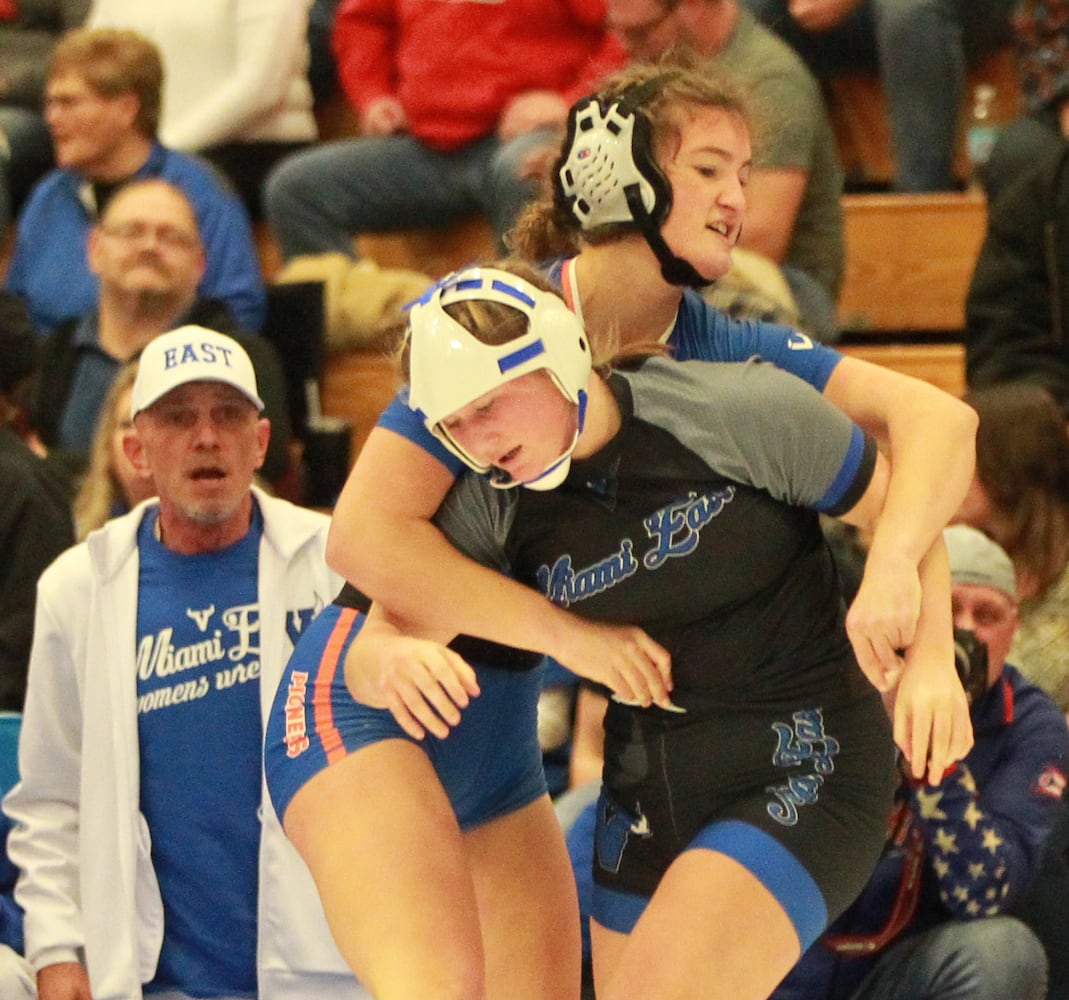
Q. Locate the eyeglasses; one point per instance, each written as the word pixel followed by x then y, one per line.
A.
pixel 68 102
pixel 635 35
pixel 983 613
pixel 166 236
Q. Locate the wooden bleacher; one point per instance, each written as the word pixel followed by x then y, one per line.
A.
pixel 909 258
pixel 909 262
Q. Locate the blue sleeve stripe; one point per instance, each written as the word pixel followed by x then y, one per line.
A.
pixel 397 417
pixel 853 477
pixel 776 868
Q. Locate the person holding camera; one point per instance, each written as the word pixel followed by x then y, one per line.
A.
pixel 935 919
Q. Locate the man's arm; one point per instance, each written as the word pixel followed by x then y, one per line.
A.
pixel 44 806
pixel 364 42
pixel 233 268
pixel 820 15
pixel 63 981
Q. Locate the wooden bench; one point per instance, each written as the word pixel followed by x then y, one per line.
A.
pixel 909 260
pixel 941 364
pixel 357 385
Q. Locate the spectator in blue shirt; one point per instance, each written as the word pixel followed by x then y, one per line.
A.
pixel 102 106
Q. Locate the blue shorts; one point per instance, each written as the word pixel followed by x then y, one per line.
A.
pixel 798 795
pixel 489 765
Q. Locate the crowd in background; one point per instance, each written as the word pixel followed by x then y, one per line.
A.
pixel 146 150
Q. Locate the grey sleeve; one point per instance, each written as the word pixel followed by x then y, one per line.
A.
pixel 758 425
pixel 477 518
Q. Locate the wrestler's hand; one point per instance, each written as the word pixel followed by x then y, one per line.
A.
pixel 63 981
pixel 883 617
pixel 931 718
pixel 424 684
pixel 622 657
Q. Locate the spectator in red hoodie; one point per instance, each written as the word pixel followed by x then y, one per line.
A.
pixel 456 102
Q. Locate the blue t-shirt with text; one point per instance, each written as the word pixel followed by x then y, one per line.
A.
pixel 200 731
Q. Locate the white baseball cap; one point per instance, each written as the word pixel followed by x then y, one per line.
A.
pixel 191 354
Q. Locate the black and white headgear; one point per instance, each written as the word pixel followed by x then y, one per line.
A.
pixel 607 172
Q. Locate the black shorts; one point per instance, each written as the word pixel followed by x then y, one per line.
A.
pixel 798 795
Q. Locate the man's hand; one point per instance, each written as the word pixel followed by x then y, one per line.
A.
pixel 532 110
pixel 63 981
pixel 383 116
pixel 820 15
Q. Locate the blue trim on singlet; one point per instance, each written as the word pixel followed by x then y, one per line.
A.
pixel 397 417
pixel 766 858
pixel 778 870
pixel 617 910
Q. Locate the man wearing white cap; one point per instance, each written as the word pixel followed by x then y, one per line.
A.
pixel 151 860
pixel 935 919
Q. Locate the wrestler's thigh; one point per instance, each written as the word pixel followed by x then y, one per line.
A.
pixel 527 905
pixel 711 930
pixel 387 856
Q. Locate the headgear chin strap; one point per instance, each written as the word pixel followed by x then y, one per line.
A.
pixel 451 368
pixel 555 473
pixel 607 174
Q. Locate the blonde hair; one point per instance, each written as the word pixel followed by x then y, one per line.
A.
pixel 673 91
pixel 114 62
pixel 100 488
pixel 495 323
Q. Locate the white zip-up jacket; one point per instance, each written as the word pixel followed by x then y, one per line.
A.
pixel 87 882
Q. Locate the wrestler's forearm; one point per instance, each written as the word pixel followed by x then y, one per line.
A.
pixel 930 438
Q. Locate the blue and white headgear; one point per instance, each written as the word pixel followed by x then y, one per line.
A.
pixel 450 367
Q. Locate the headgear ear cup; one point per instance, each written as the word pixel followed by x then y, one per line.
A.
pixel 606 161
pixel 607 173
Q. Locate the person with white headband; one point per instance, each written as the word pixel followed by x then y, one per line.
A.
pixel 680 498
